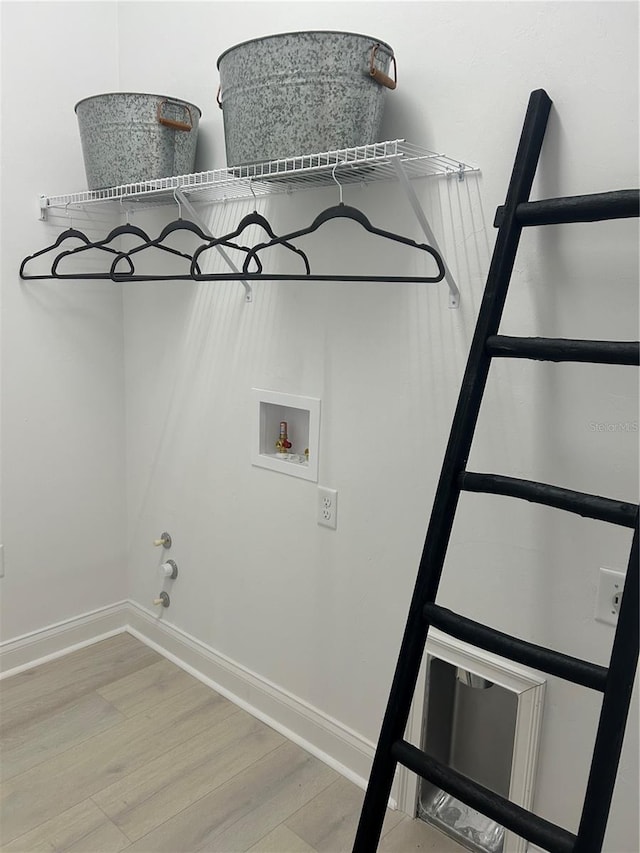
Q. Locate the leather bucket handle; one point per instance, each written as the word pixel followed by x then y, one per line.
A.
pixel 380 76
pixel 170 122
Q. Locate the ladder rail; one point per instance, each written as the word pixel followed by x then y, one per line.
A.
pixel 506 813
pixel 564 666
pixel 564 349
pixel 447 492
pixel 613 714
pixel 616 681
pixel 616 204
pixel 581 503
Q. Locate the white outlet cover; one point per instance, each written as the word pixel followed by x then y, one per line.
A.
pixel 610 583
pixel 327 507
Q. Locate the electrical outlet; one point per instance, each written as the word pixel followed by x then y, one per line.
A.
pixel 327 507
pixel 610 589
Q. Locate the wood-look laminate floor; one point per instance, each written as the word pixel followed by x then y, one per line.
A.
pixel 113 747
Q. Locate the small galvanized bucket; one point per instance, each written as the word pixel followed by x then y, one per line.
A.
pixel 129 137
pixel 302 93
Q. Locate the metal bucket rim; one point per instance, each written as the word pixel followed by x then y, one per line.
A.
pixel 142 94
pixel 305 32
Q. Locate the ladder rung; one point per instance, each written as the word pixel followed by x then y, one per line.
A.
pixel 619 204
pixel 564 349
pixel 524 823
pixel 555 663
pixel 589 506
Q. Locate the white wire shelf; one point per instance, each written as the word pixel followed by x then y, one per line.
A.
pixel 363 164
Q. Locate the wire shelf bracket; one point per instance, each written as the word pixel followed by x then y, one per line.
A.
pixel 195 216
pixel 454 293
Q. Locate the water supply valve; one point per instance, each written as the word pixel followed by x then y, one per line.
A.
pixel 164 540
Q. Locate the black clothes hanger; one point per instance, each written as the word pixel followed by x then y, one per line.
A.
pixel 68 234
pixel 121 230
pixel 343 211
pixel 181 224
pixel 176 225
pixel 253 218
pixel 195 272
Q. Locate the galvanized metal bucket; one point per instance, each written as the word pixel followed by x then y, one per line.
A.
pixel 302 93
pixel 129 137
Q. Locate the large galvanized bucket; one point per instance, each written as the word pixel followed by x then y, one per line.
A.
pixel 129 137
pixel 302 93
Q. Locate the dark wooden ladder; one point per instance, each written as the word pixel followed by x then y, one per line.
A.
pixel 615 682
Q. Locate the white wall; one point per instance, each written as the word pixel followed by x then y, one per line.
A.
pixel 319 612
pixel 62 381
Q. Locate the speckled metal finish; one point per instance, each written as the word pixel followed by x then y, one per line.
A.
pixel 300 93
pixel 123 142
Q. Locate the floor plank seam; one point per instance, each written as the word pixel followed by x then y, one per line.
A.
pixel 112 822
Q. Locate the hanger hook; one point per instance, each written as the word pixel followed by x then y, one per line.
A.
pixel 177 201
pixel 333 175
pixel 68 215
pixel 253 193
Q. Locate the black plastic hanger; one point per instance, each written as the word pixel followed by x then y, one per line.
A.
pixel 195 272
pixel 68 234
pixel 103 245
pixel 343 211
pixel 253 218
pixel 172 227
pixel 121 230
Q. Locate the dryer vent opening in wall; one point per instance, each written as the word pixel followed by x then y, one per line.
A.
pixel 470 724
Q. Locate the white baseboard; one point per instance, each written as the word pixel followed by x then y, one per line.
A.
pixel 341 748
pixel 328 739
pixel 60 639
